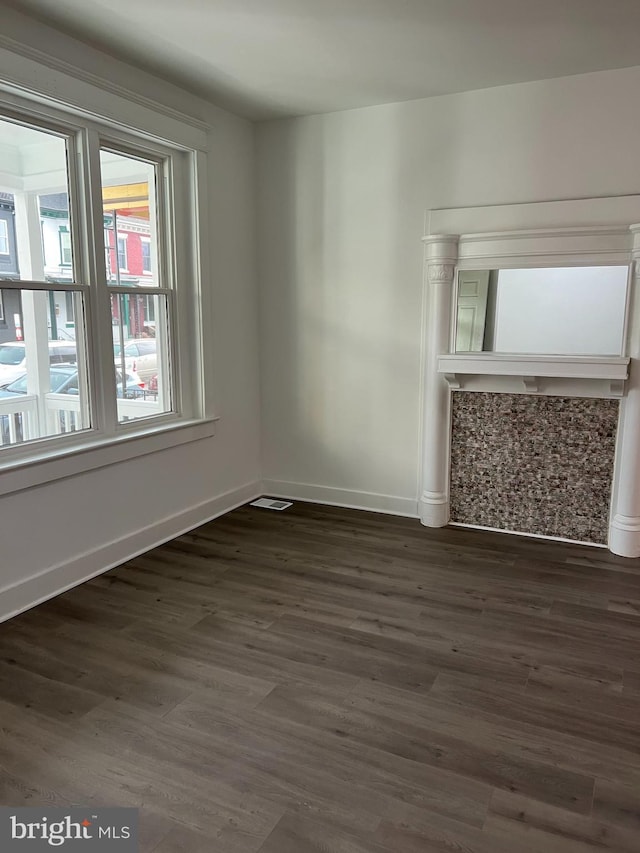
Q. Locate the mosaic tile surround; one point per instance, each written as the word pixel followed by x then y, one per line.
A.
pixel 533 464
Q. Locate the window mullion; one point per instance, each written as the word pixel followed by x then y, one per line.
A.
pixel 99 305
pixel 27 284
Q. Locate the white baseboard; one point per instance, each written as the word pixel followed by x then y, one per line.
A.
pixel 389 504
pixel 27 593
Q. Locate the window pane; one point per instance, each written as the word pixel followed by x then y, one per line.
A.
pixel 122 254
pixel 4 237
pixel 130 231
pixel 43 376
pixel 146 256
pixel 141 355
pixel 34 205
pixel 65 247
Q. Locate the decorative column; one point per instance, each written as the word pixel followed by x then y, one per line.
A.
pixel 624 530
pixel 442 255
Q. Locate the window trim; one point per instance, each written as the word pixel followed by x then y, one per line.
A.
pixel 192 419
pixel 63 462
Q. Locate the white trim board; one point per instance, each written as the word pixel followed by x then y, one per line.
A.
pixel 61 464
pixel 34 590
pixel 604 212
pixel 348 498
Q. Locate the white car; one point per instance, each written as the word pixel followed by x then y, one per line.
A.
pixel 140 356
pixel 13 360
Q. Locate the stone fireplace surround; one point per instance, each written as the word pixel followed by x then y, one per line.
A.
pixel 545 234
pixel 540 464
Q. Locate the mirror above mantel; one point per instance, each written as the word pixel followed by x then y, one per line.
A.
pixel 557 330
pixel 549 306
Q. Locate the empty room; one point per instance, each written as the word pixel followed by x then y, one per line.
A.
pixel 320 426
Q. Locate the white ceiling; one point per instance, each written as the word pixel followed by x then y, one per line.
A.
pixel 267 58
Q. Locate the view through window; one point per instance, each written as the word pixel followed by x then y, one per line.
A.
pixel 139 308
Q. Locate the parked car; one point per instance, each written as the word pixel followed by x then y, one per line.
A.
pixel 140 356
pixel 13 360
pixel 63 379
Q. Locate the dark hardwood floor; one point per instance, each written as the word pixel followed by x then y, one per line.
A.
pixel 330 681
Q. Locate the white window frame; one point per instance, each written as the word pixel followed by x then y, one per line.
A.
pixel 184 182
pixel 4 237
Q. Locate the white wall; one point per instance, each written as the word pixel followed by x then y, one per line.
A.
pixel 566 311
pixel 77 525
pixel 342 200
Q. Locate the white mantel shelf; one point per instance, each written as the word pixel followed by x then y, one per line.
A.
pixel 530 368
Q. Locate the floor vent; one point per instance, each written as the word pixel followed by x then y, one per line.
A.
pixel 269 503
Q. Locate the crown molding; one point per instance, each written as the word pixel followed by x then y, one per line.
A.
pixel 67 68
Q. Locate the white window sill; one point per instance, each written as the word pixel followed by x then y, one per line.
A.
pixel 48 465
pixel 601 376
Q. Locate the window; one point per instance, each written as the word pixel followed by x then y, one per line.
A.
pixel 65 246
pixel 150 314
pixel 2 320
pixel 122 253
pixel 146 255
pixel 4 237
pixel 89 341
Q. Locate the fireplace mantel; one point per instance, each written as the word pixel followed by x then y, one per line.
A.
pixel 569 232
pixel 579 376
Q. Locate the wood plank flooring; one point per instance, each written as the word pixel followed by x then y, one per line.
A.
pixel 330 681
